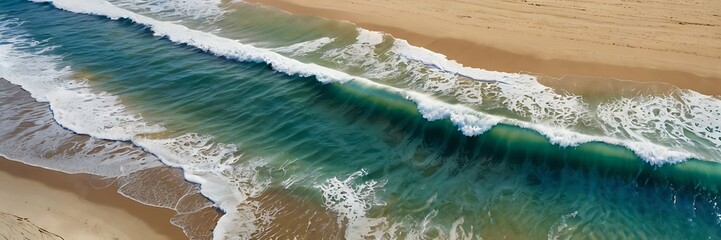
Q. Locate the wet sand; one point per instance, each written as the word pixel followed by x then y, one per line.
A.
pixel 67 205
pixel 661 41
pixel 294 217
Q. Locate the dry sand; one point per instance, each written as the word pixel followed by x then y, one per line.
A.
pixel 677 42
pixel 67 205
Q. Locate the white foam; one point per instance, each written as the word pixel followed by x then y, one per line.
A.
pixel 196 9
pixel 651 152
pixel 360 53
pixel 469 121
pixel 223 178
pixel 682 118
pixel 528 98
pixel 44 79
pixel 205 41
pixel 30 135
pixel 352 200
pixel 552 113
pixel 520 93
pixel 646 121
pixel 370 38
pixel 74 104
pixel 375 63
pixel 78 107
pixel 303 48
pixel 440 61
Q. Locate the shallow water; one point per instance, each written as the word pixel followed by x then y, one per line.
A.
pixel 375 138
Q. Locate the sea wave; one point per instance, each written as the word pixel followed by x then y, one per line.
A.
pixel 469 121
pixel 217 166
pixel 303 48
pixel 77 106
pixel 27 125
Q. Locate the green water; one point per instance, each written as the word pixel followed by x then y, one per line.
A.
pixel 431 179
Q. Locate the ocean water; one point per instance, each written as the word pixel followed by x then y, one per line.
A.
pixel 296 126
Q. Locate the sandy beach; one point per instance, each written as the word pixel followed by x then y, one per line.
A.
pixel 660 41
pixel 85 206
pixel 68 206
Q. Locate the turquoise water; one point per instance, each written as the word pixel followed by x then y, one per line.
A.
pixel 364 153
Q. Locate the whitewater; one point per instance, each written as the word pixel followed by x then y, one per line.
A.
pixel 232 183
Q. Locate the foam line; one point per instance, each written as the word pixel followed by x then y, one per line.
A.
pixel 305 47
pixel 440 61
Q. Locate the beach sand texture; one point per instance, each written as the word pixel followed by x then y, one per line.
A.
pixel 67 205
pixel 86 206
pixel 676 42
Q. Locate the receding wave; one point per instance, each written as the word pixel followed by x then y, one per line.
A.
pixel 77 106
pixel 31 135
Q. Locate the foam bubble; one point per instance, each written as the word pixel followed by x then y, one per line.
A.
pixel 29 134
pixel 530 99
pixel 351 201
pixel 360 53
pixel 370 38
pixel 72 103
pixel 195 9
pixel 468 121
pixel 651 152
pixel 78 107
pixel 682 118
pixel 440 61
pixel 223 178
pixel 32 136
pixel 205 41
pixel 303 48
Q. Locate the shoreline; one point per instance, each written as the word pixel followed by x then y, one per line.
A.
pixel 704 79
pixel 69 206
pixel 126 206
